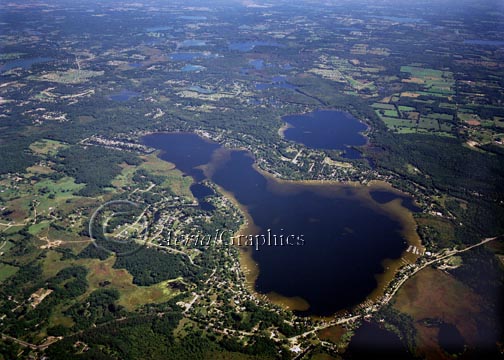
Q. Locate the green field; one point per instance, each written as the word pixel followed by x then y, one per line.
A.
pixel 428 124
pixel 6 271
pixel 384 106
pixel 47 147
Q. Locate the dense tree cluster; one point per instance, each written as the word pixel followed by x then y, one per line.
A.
pixel 150 266
pixel 94 166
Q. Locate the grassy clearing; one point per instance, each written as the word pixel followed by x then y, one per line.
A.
pixel 132 296
pixel 383 106
pixel 39 170
pixel 47 147
pixel 428 124
pixel 421 72
pixel 6 271
pixel 174 180
pixel 443 228
pixel 102 274
pixel 57 317
pixel 406 108
pixel 36 229
pixel 390 113
pixel 5 246
pixel 394 123
pixel 333 333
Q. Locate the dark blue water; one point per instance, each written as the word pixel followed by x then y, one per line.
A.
pixel 351 154
pixel 23 63
pixel 250 45
pixel 124 95
pixel 327 129
pixel 200 192
pixel 337 239
pixel 186 151
pixel 450 339
pixel 497 43
pixel 372 342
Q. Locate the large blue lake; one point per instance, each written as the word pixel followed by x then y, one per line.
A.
pixel 345 234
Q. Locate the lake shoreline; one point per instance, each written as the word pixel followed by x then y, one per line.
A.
pixel 250 267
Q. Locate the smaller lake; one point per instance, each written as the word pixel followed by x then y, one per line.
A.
pixel 191 43
pixel 23 63
pixel 328 130
pixel 372 342
pixel 498 43
pixel 123 95
pixel 200 192
pixel 450 339
pixel 279 82
pixel 189 56
pixel 250 45
pixel 193 68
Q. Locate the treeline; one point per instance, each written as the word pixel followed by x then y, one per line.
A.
pixel 399 323
pixel 149 266
pixel 151 336
pixel 445 165
pixel 15 157
pixel 99 307
pixel 94 166
pixel 255 315
pixel 27 317
pixel 483 273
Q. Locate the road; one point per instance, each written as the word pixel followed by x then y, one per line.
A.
pixel 315 329
pixel 396 288
pixel 428 263
pixel 31 346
